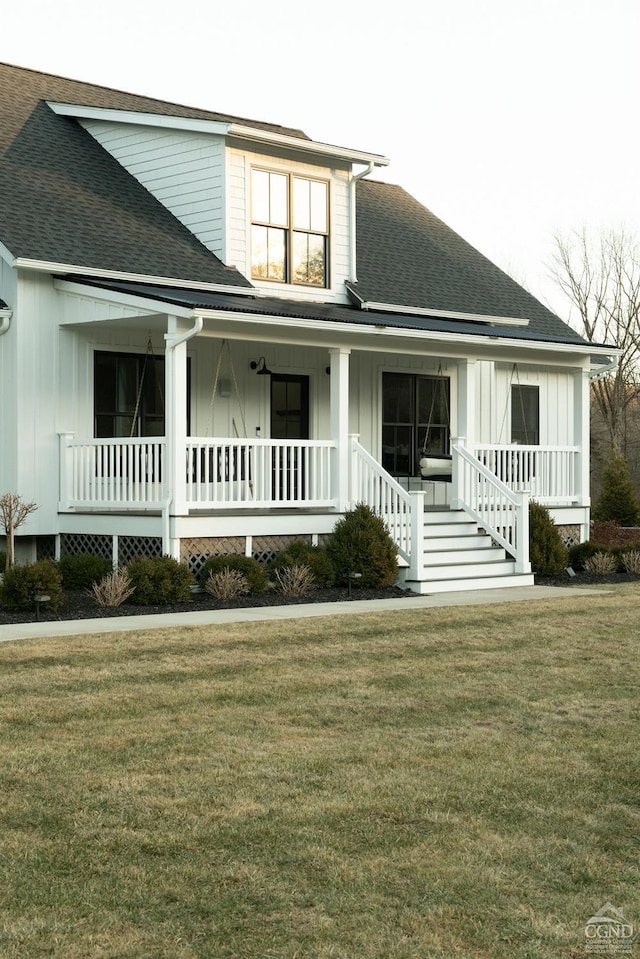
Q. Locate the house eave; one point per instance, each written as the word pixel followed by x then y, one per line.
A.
pixel 370 305
pixel 62 269
pixel 353 330
pixel 221 128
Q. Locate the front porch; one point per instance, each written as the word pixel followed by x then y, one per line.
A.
pixel 246 488
pixel 271 427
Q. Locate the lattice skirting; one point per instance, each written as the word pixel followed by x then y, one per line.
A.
pixel 194 551
pixel 265 548
pixel 45 547
pixel 95 544
pixel 570 535
pixel 123 551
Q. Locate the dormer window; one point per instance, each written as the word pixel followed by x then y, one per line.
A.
pixel 289 228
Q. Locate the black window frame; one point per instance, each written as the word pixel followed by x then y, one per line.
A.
pixel 290 231
pixel 403 440
pixel 525 400
pixel 154 369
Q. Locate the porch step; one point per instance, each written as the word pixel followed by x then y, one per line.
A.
pixel 459 556
pixel 463 556
pixel 461 585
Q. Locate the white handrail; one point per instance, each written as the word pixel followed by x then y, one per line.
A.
pixel 371 484
pixel 501 511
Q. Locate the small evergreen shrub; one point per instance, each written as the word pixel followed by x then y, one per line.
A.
pixel 3 561
pixel 21 584
pixel 249 567
pixel 112 590
pixel 159 580
pixel 294 580
pixel 618 500
pixel 547 552
pixel 226 585
pixel 303 554
pixel 361 543
pixel 600 564
pixel 82 570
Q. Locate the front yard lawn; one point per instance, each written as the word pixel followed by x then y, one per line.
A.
pixel 456 782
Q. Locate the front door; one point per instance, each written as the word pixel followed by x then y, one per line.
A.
pixel 289 421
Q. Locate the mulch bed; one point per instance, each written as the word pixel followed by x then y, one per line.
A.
pixel 79 605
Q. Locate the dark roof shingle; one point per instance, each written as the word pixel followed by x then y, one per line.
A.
pixel 64 199
pixel 409 257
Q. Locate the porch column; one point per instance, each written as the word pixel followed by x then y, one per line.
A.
pixel 466 419
pixel 175 473
pixel 339 400
pixel 581 413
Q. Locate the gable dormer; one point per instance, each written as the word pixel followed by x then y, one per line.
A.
pixel 267 200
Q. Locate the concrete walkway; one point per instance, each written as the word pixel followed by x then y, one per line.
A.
pixel 118 624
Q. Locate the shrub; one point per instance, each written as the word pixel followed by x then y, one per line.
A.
pixel 361 543
pixel 581 552
pixel 227 584
pixel 3 561
pixel 113 590
pixel 21 585
pixel 547 552
pixel 631 562
pixel 294 580
pixel 249 567
pixel 303 554
pixel 83 569
pixel 618 500
pixel 600 564
pixel 159 580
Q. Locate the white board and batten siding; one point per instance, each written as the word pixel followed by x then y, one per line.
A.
pixel 184 171
pixel 207 186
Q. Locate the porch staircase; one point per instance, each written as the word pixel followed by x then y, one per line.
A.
pixel 460 556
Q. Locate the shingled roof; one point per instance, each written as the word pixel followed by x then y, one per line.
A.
pixel 409 257
pixel 64 199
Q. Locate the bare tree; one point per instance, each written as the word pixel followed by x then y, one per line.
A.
pixel 13 513
pixel 601 279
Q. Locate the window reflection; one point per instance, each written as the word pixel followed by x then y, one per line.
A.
pixel 297 254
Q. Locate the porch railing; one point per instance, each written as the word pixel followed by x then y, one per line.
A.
pixel 219 474
pixel 125 473
pixel 371 484
pixel 549 474
pixel 255 473
pixel 502 512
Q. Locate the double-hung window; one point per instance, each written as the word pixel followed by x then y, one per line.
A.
pixel 289 228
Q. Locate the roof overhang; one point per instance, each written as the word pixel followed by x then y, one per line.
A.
pixel 221 128
pixel 70 269
pixel 367 331
pixel 367 305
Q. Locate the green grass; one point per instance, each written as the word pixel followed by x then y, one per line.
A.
pixel 457 782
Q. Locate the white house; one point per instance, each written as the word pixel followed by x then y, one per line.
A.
pixel 217 334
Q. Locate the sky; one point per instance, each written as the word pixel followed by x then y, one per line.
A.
pixel 512 120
